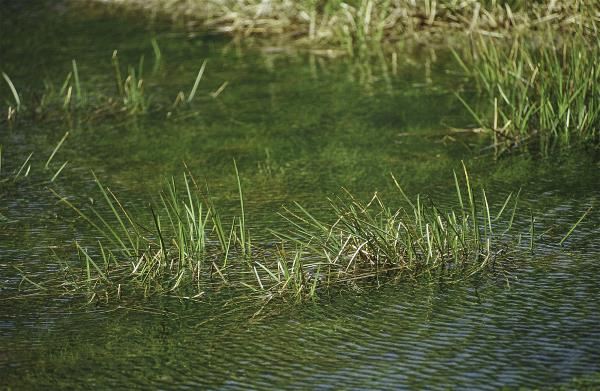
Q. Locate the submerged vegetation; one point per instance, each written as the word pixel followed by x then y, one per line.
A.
pixel 183 246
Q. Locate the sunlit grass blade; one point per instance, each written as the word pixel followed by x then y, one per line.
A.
pixel 196 82
pixel 23 167
pixel 57 173
pixel 77 82
pixel 60 143
pixel 13 90
pixel 575 226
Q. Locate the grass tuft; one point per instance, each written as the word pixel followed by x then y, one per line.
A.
pixel 182 246
pixel 543 93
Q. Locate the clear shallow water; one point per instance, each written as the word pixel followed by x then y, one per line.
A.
pixel 300 127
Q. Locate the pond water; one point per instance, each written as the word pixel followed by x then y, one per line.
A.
pixel 301 126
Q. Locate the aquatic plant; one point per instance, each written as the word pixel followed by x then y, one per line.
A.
pixel 184 246
pixel 543 92
pixel 130 95
pixel 24 168
pixel 131 90
pixel 12 111
pixel 370 240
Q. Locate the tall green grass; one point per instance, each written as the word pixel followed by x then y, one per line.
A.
pixel 544 92
pixel 370 240
pixel 184 246
pixel 180 245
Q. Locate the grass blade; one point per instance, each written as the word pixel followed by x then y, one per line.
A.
pixel 60 143
pixel 197 82
pixel 575 225
pixel 13 90
pixel 57 173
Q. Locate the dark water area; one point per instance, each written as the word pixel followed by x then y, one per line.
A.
pixel 301 126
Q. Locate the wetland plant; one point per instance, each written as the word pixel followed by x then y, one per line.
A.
pixel 131 90
pixel 545 93
pixel 184 246
pixel 25 168
pixel 130 95
pixel 12 111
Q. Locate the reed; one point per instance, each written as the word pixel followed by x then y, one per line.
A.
pixel 55 150
pixel 78 92
pixel 131 90
pixel 196 82
pixel 157 55
pixel 12 111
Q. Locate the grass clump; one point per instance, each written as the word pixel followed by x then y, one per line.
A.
pixel 130 95
pixel 545 92
pixel 373 241
pixel 131 90
pixel 183 246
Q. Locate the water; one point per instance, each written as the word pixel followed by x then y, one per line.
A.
pixel 300 126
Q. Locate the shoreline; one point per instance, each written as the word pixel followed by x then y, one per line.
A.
pixel 339 25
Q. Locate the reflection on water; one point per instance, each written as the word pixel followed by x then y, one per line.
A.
pixel 299 126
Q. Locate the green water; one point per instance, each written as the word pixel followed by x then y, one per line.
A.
pixel 300 127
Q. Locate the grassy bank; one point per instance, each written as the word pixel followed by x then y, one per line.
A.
pixel 183 246
pixel 352 24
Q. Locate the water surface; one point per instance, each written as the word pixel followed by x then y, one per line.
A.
pixel 300 127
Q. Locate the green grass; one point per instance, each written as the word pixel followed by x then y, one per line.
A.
pixel 12 110
pixel 13 90
pixel 544 93
pixel 183 246
pixel 130 96
pixel 23 169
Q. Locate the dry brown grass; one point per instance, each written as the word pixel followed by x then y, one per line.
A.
pixel 354 23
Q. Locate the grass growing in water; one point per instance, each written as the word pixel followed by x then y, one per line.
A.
pixel 545 93
pixel 24 168
pixel 184 246
pixel 12 111
pixel 130 95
